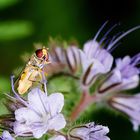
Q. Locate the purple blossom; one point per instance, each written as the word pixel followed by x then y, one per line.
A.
pixel 73 59
pixel 124 76
pixel 41 114
pixel 6 136
pixel 129 105
pixel 90 131
pixel 57 54
pixel 95 60
pixel 57 59
pixel 96 56
pixel 64 59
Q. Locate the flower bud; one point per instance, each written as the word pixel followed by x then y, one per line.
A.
pixel 89 131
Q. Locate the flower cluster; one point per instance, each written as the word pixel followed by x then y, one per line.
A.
pixel 41 114
pixel 38 113
pixel 93 67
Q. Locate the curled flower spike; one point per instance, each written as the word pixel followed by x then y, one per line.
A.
pixel 57 54
pixel 96 59
pixel 42 114
pixel 64 58
pixel 58 62
pixel 129 105
pixel 125 76
pixel 6 136
pixel 89 131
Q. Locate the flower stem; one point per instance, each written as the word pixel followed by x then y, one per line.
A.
pixel 85 101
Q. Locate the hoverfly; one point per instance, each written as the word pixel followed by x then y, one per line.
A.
pixel 33 70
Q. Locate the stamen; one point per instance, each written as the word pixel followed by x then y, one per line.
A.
pixel 44 81
pixel 106 34
pixel 114 47
pixel 113 38
pixel 97 34
pixel 106 42
pixel 42 103
pixel 123 35
pixel 16 94
pixel 135 60
pixel 99 31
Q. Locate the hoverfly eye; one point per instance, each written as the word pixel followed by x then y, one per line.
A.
pixel 39 53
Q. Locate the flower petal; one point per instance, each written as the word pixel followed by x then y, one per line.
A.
pixel 25 115
pixel 73 58
pixel 130 106
pixel 130 83
pixel 90 48
pixel 37 100
pixel 39 131
pixel 55 103
pixel 123 63
pixel 56 123
pixel 92 72
pixel 6 136
pixel 106 59
pixel 21 129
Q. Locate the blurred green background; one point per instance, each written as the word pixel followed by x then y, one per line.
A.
pixel 24 22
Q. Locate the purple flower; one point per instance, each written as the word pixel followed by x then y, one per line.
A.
pixel 64 59
pixel 6 136
pixel 57 59
pixel 89 131
pixel 57 54
pixel 96 56
pixel 95 60
pixel 73 59
pixel 125 76
pixel 41 114
pixel 129 105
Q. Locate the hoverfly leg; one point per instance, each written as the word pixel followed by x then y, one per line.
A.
pixel 16 94
pixel 44 81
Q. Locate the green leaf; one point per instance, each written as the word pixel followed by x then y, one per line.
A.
pixel 4 84
pixel 6 3
pixel 11 30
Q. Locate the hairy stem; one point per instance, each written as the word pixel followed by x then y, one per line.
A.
pixel 85 101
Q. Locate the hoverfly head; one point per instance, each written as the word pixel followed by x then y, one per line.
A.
pixel 42 57
pixel 42 54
